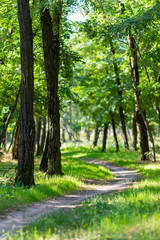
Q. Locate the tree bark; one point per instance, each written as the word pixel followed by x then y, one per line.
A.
pixel 105 132
pixel 44 162
pixel 134 133
pixel 15 149
pixel 43 135
pixel 38 134
pixel 114 131
pixel 96 136
pixel 121 111
pixel 141 116
pixel 51 59
pixel 26 134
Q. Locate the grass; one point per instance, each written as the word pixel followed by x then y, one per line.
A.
pixel 75 170
pixel 132 214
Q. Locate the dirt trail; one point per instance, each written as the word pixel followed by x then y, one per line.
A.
pixel 18 219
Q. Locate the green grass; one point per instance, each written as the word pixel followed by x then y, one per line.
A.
pixel 132 214
pixel 74 169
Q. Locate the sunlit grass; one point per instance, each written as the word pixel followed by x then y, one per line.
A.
pixel 75 171
pixel 133 214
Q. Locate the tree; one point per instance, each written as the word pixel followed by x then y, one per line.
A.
pixel 26 134
pixel 51 44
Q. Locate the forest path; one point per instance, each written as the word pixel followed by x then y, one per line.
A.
pixel 15 220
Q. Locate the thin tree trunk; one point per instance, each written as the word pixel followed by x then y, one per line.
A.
pixel 144 146
pixel 63 135
pixel 51 51
pixel 43 135
pixel 96 136
pixel 16 142
pixel 88 134
pixel 105 132
pixel 121 112
pixel 38 132
pixel 44 162
pixel 114 131
pixel 26 135
pixel 134 133
pixel 10 115
pixel 135 79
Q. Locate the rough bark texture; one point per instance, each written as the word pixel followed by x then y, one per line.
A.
pixel 105 132
pixel 44 162
pixel 26 135
pixel 96 136
pixel 51 60
pixel 38 133
pixel 134 135
pixel 114 131
pixel 141 116
pixel 15 149
pixel 121 111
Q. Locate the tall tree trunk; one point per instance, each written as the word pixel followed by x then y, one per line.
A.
pixel 134 133
pixel 135 79
pixel 26 134
pixel 105 132
pixel 44 162
pixel 15 149
pixel 96 136
pixel 10 115
pixel 51 59
pixel 114 131
pixel 43 135
pixel 38 134
pixel 121 111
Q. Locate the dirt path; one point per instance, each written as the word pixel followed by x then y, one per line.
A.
pixel 18 219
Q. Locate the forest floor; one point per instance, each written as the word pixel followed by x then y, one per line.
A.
pixel 17 219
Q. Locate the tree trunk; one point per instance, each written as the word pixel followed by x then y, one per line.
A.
pixel 44 162
pixel 10 116
pixel 26 133
pixel 15 149
pixel 142 118
pixel 114 131
pixel 43 135
pixel 144 146
pixel 134 133
pixel 51 59
pixel 96 136
pixel 38 134
pixel 88 134
pixel 121 112
pixel 105 132
pixel 63 135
